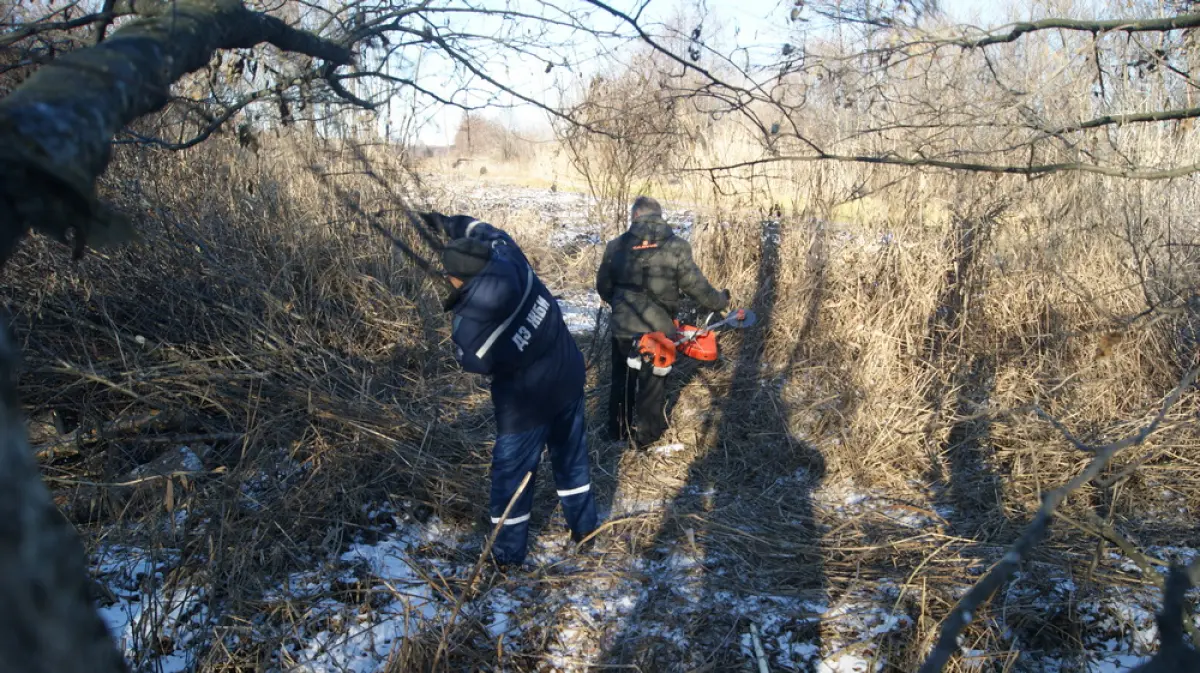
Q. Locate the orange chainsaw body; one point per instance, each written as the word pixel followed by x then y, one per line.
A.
pixel 656 347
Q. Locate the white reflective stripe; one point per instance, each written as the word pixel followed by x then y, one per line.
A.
pixel 487 345
pixel 634 363
pixel 471 226
pixel 661 371
pixel 575 491
pixel 511 522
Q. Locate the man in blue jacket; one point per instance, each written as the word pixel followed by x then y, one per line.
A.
pixel 508 326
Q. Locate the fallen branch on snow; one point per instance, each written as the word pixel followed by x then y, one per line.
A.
pixel 1000 573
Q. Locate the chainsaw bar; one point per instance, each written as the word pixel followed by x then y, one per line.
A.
pixel 738 319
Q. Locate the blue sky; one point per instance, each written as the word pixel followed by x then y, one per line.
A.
pixel 760 26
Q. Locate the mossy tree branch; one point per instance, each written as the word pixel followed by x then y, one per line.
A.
pixel 55 136
pixel 56 128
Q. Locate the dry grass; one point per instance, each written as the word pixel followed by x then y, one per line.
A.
pixel 913 325
pixel 257 321
pixel 299 359
pixel 907 362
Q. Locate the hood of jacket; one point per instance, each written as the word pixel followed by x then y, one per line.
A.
pixel 651 228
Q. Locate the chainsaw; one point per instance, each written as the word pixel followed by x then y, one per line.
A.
pixel 699 343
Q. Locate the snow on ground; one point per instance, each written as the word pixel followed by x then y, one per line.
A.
pixel 159 626
pixel 844 500
pixel 580 309
pixel 392 598
pixel 356 639
pixel 1119 624
pixel 375 595
pixel 664 600
pixel 358 606
pixel 570 214
pixel 566 210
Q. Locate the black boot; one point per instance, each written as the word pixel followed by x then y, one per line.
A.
pixel 588 544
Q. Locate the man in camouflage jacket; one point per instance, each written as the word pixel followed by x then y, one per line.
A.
pixel 644 274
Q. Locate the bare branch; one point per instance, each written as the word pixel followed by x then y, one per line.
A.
pixel 1146 563
pixel 55 134
pixel 964 611
pixel 921 162
pixel 1062 429
pixel 411 215
pixel 1113 26
pixel 1174 654
pixel 103 25
pixel 43 574
pixel 1131 118
pixel 425 265
pixel 475 70
pixel 334 82
pixel 33 29
pixel 212 125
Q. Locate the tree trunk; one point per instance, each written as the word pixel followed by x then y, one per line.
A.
pixel 55 134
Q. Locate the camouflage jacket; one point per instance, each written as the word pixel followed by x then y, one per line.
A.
pixel 644 274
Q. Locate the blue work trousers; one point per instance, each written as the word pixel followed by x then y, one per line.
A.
pixel 519 453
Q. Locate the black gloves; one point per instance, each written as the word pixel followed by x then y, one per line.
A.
pixel 433 220
pixel 451 226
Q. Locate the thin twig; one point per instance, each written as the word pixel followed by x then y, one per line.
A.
pixel 1062 429
pixel 759 655
pixel 133 482
pixel 468 590
pixel 596 335
pixel 424 264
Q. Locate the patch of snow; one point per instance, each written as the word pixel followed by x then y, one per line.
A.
pixel 359 638
pixel 668 449
pixel 156 627
pixel 1114 663
pixel 436 531
pixel 389 600
pixel 190 460
pixel 268 485
pixel 853 499
pixel 155 621
pixel 182 459
pixel 586 617
pixel 625 505
pixel 569 214
pixel 682 221
pixel 846 663
pixel 849 502
pixel 580 310
pixel 504 608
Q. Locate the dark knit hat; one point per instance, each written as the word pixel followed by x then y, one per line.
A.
pixel 464 258
pixel 643 206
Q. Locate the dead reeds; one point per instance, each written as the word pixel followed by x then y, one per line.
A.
pixel 900 364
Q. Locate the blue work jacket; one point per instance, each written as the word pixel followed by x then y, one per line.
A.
pixel 508 326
